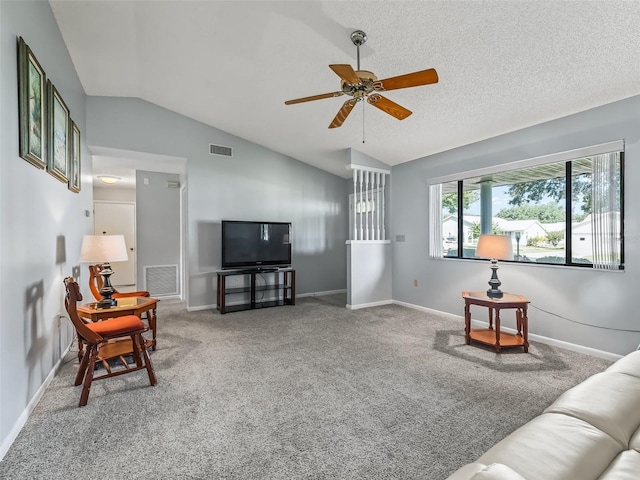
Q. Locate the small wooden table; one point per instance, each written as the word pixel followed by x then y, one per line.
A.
pixel 126 306
pixel 491 336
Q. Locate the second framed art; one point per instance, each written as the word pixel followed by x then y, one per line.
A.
pixel 59 135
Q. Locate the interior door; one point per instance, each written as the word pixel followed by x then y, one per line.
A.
pixel 112 218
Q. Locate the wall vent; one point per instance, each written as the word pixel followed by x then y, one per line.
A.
pixel 220 150
pixel 161 280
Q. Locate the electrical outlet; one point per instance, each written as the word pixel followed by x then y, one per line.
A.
pixel 415 282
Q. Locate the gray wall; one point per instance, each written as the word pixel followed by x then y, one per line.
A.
pixel 157 221
pixel 41 223
pixel 114 194
pixel 603 299
pixel 256 184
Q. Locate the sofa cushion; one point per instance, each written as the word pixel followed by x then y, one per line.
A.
pixel 626 466
pixel 629 364
pixel 607 400
pixel 554 446
pixel 497 471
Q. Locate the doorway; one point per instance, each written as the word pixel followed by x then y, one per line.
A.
pixel 113 218
pixel 146 181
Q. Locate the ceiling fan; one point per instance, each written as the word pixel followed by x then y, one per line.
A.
pixel 361 84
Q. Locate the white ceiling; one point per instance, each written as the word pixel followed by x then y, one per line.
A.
pixel 503 65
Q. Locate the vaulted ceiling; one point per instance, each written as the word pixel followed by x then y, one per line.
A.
pixel 502 66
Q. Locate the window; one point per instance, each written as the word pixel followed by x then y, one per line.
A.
pixel 567 212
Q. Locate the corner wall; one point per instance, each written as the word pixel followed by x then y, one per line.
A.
pixel 562 298
pixel 41 224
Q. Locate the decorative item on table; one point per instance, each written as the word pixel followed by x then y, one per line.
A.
pixel 104 249
pixel 494 247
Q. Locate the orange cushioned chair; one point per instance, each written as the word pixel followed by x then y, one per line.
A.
pixel 105 340
pixel 96 281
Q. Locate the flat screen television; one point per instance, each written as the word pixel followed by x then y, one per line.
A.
pixel 255 245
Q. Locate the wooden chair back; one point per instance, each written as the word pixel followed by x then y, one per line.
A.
pixel 72 298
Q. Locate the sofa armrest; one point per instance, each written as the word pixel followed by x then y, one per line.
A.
pixel 497 471
pixel 480 471
pixel 467 471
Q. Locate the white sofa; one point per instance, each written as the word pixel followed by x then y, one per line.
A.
pixel 592 431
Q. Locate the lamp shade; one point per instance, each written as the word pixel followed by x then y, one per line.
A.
pixel 495 247
pixel 103 248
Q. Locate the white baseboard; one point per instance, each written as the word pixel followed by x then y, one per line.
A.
pixel 532 336
pixel 24 416
pixel 322 294
pixel 428 310
pixel 367 305
pixel 213 306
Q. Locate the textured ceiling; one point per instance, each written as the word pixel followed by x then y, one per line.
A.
pixel 503 65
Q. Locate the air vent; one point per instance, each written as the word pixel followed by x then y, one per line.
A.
pixel 161 280
pixel 220 150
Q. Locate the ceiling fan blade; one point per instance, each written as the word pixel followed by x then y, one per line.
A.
pixel 343 113
pixel 388 106
pixel 415 79
pixel 314 97
pixel 346 73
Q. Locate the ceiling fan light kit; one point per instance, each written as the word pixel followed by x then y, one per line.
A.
pixel 361 84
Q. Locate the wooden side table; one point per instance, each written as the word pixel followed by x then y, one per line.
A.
pixel 126 306
pixel 491 336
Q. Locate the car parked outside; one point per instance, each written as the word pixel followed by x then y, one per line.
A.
pixel 449 243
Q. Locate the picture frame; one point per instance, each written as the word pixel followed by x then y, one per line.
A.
pixel 59 135
pixel 32 107
pixel 74 159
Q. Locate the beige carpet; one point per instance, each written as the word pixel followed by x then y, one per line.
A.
pixel 312 391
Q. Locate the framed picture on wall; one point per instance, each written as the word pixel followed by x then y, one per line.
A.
pixel 74 156
pixel 32 103
pixel 59 135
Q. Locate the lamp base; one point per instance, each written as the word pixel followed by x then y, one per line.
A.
pixel 107 289
pixel 494 282
pixel 494 293
pixel 106 302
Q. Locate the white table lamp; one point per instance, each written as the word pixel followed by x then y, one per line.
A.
pixel 494 247
pixel 104 249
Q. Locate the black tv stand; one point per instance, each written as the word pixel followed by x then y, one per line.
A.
pixel 278 288
pixel 245 271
